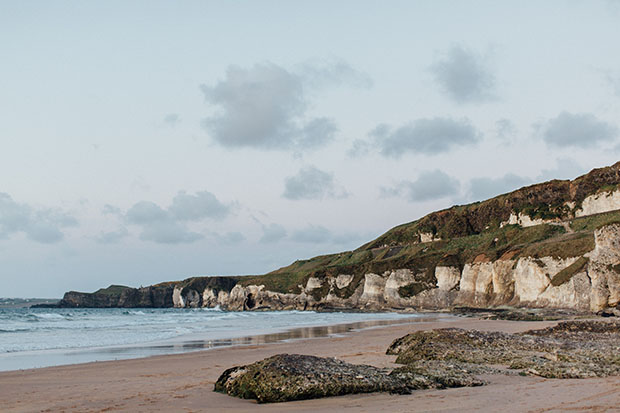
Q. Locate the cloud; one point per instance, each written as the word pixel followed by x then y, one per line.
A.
pixel 430 185
pixel 425 136
pixel 312 234
pixel 112 237
pixel 319 73
pixel 172 119
pixel 229 238
pixel 168 232
pixel 484 188
pixel 159 225
pixel 360 147
pixel 464 76
pixel 111 210
pixel 312 183
pixel 316 133
pixel 264 107
pixel 272 233
pixel 42 225
pixel 169 226
pixel 146 212
pixel 581 130
pixel 204 204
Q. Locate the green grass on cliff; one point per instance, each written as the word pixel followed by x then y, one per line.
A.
pixel 422 258
pixel 593 222
pixel 113 290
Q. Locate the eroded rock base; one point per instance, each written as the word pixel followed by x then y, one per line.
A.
pixel 287 377
pixel 572 349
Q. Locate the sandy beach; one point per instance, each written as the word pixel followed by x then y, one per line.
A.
pixel 184 383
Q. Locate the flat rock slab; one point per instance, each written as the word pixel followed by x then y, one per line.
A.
pixel 287 377
pixel 571 349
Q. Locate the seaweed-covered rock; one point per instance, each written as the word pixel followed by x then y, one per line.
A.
pixel 579 330
pixel 468 346
pixel 287 377
pixel 573 349
pixel 440 374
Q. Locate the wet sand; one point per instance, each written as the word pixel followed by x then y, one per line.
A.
pixel 184 382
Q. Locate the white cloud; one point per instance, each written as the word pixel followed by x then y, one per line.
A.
pixel 312 183
pixel 169 226
pixel 428 186
pixel 582 130
pixel 112 237
pixel 204 204
pixel 425 136
pixel 464 76
pixel 264 107
pixel 42 225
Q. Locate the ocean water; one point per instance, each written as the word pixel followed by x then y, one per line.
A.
pixel 32 338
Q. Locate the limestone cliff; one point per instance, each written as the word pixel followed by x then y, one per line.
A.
pixel 555 244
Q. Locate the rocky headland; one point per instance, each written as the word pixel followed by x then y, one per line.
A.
pixel 550 245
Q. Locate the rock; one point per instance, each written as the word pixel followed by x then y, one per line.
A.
pixel 287 377
pixel 572 349
pixel 440 374
pixel 154 296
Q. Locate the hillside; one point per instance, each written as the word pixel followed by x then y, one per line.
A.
pixel 550 244
pixel 461 233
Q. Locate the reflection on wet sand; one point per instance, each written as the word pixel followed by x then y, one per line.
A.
pixel 32 359
pixel 293 334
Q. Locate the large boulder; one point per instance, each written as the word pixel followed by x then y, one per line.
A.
pixel 287 377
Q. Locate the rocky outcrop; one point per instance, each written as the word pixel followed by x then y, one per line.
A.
pixel 572 349
pixel 199 292
pixel 155 296
pixel 288 377
pixel 525 220
pixel 192 292
pixel 598 203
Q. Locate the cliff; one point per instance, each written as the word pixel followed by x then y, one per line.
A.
pixel 555 244
pixel 161 295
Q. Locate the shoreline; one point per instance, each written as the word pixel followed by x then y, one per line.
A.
pixel 191 342
pixel 184 382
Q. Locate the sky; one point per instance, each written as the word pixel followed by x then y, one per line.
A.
pixel 146 141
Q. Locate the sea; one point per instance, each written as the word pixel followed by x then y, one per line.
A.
pixel 41 337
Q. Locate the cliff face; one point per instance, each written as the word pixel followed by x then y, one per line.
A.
pixel 164 295
pixel 590 282
pixel 555 244
pixel 155 296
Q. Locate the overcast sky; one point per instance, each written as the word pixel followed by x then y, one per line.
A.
pixel 144 141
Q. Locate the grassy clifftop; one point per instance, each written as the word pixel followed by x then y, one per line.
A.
pixel 547 200
pixel 468 233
